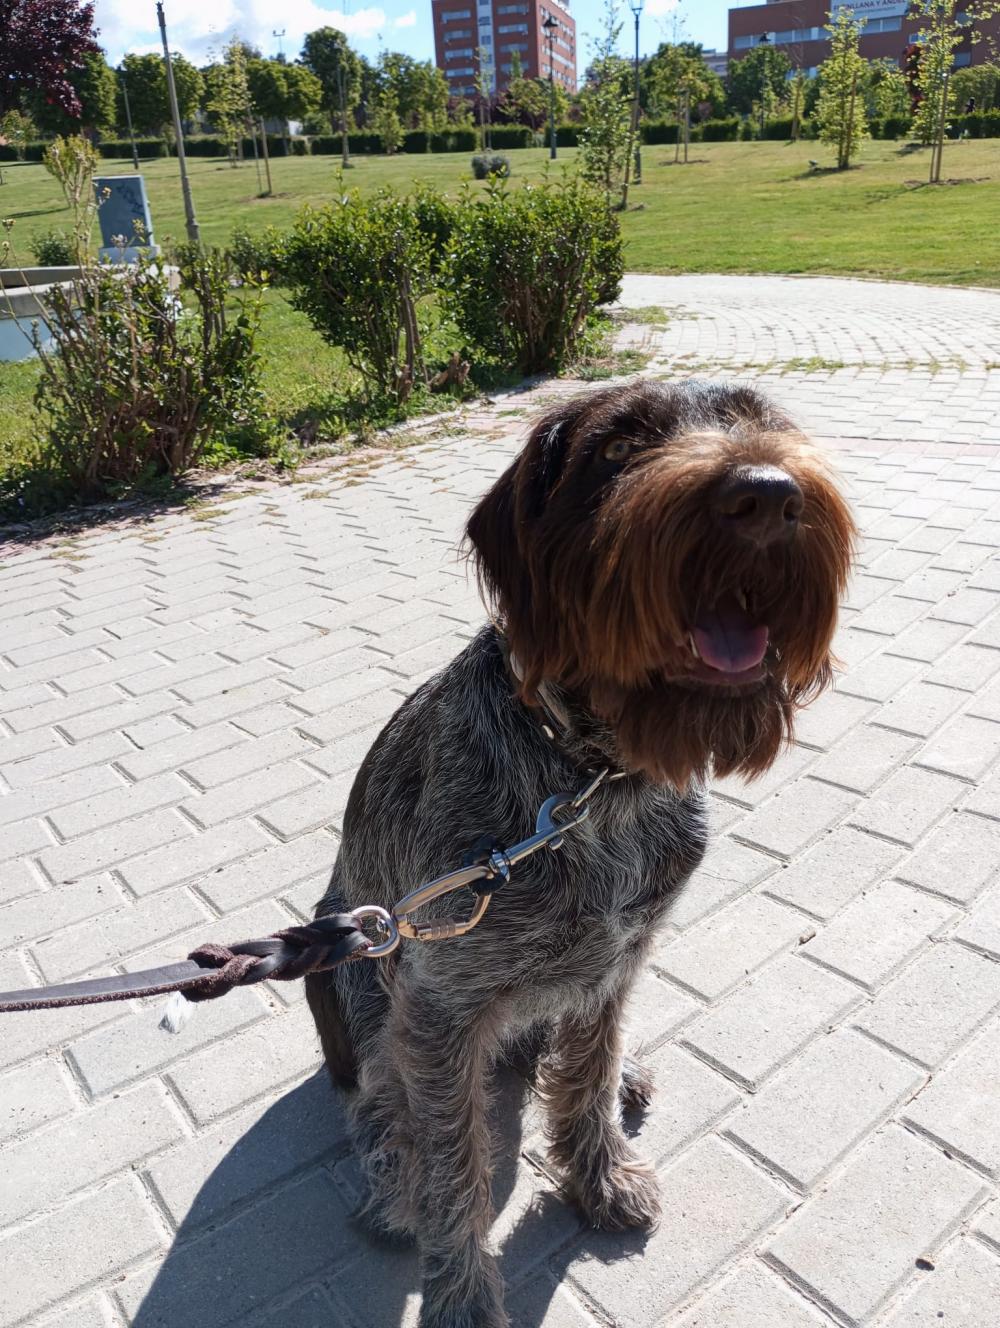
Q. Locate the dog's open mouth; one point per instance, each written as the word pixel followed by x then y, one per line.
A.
pixel 727 646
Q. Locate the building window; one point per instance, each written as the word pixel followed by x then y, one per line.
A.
pixel 465 52
pixel 962 59
pixel 455 15
pixel 512 27
pixel 465 72
pixel 459 34
pixel 882 25
pixel 512 9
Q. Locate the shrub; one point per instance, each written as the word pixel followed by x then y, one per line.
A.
pixel 134 384
pixel 527 268
pixel 145 147
pixel 357 269
pixel 654 131
pixel 510 136
pixel 257 256
pixel 487 164
pixel 298 147
pixel 436 220
pixel 53 248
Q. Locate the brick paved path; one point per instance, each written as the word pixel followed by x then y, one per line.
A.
pixel 183 703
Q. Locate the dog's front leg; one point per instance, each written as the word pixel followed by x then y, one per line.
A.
pixel 445 1053
pixel 580 1084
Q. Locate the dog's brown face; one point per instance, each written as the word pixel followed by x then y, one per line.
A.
pixel 674 556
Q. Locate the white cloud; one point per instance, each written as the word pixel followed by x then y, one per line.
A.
pixel 658 8
pixel 406 20
pixel 196 29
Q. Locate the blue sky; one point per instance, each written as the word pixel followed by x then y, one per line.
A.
pixel 197 28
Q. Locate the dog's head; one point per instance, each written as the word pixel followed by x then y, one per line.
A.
pixel 674 556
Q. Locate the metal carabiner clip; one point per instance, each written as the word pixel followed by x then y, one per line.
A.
pixel 548 831
pixel 439 929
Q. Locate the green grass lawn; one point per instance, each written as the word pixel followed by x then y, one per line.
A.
pixel 736 207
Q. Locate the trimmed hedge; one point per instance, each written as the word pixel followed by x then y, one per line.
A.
pixel 511 136
pixel 121 147
pixel 719 131
pixel 980 124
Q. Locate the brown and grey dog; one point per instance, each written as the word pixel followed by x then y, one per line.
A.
pixel 665 564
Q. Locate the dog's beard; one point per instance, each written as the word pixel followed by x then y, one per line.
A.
pixel 675 733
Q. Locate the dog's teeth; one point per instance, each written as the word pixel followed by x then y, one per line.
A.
pixel 741 599
pixel 692 647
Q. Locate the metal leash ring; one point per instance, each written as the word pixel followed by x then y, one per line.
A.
pixel 385 922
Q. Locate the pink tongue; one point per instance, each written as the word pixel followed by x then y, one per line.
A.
pixel 726 638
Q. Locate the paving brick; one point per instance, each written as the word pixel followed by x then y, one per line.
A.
pixel 321 804
pixel 716 956
pixel 245 759
pixel 827 720
pixel 753 1030
pixel 727 870
pixel 119 714
pixel 927 641
pixel 541 1303
pixel 714 1202
pixel 935 1004
pixel 26 919
pixel 792 762
pixel 878 932
pixel 921 708
pixel 958 860
pixel 33 1095
pixel 879 678
pixel 963 1290
pixel 85 1148
pixel 752 1297
pixel 690 1099
pixel 795 816
pixel 125 800
pixel 220 1078
pixel 814 1112
pixel 122 1053
pixel 97 945
pixel 889 615
pixel 230 1162
pixel 965 748
pixel 362 712
pixel 58 760
pixel 94 1312
pixel 292 1237
pixel 342 690
pixel 864 758
pixel 113 845
pixel 57 793
pixel 655 1009
pixel 981 929
pixel 175 752
pixel 87 1241
pixel 308 858
pixel 856 1243
pixel 957 1108
pixel 241 796
pixel 189 859
pixel 908 804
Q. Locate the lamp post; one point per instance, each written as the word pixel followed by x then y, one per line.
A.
pixel 636 7
pixel 549 26
pixel 128 121
pixel 764 41
pixel 193 233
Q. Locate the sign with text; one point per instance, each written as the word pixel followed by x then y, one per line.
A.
pixel 871 8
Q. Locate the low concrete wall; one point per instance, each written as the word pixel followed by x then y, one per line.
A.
pixel 21 290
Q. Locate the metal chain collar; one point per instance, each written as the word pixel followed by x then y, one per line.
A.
pixel 495 869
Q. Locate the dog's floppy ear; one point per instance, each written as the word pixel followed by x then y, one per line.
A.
pixel 502 532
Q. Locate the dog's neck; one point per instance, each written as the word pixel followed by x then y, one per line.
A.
pixel 566 723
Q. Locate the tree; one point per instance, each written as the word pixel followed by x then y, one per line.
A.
pixel 676 68
pixel 326 54
pixel 979 83
pixel 227 98
pixel 41 43
pixel 93 81
pixel 386 120
pixel 841 112
pixel 17 129
pixel 606 108
pixel 886 93
pixel 942 30
pixel 145 78
pixel 284 92
pixel 763 69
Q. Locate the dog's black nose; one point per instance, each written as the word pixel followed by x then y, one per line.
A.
pixel 760 503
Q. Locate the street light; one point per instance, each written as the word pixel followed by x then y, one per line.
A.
pixel 549 26
pixel 636 7
pixel 764 41
pixel 193 233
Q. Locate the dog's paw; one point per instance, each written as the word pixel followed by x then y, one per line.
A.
pixel 637 1087
pixel 627 1196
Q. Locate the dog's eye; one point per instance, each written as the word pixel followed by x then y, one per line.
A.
pixel 617 450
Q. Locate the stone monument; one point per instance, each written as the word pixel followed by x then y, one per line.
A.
pixel 123 211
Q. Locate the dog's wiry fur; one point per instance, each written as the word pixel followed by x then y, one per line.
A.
pixel 597 571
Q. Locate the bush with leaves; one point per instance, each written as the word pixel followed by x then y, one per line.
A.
pixel 72 162
pixel 358 268
pixel 526 270
pixel 487 164
pixel 53 248
pixel 258 256
pixel 137 383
